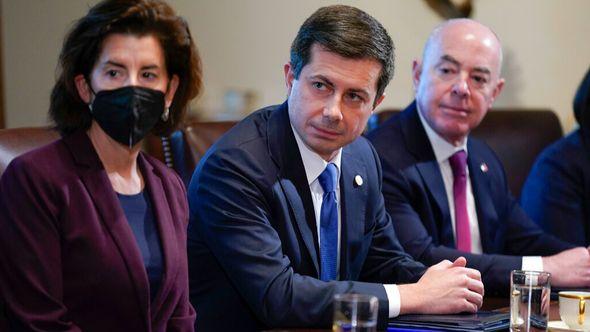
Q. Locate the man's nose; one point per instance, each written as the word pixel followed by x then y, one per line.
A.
pixel 461 88
pixel 333 110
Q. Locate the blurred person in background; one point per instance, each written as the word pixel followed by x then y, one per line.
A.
pixel 557 192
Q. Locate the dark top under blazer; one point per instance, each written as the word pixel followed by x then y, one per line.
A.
pixel 252 242
pixel 416 199
pixel 68 258
pixel 556 193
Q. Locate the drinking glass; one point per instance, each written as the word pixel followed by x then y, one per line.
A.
pixel 355 313
pixel 529 300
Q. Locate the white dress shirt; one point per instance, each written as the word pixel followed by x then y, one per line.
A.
pixel 443 150
pixel 314 166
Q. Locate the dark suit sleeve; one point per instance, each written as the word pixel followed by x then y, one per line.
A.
pixel 402 203
pixel 232 213
pixel 554 196
pixel 30 251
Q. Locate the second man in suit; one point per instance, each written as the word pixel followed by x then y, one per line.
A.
pixel 286 208
pixel 445 191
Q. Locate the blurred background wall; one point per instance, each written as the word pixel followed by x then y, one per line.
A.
pixel 244 45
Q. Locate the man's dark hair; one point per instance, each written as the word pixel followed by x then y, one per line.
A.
pixel 83 45
pixel 348 32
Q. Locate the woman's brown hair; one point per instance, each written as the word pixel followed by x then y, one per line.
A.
pixel 83 45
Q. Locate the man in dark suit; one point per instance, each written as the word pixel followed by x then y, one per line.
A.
pixel 447 193
pixel 558 186
pixel 286 209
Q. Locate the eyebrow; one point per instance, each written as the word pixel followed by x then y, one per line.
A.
pixel 112 63
pixel 360 91
pixel 482 70
pixel 120 65
pixel 323 78
pixel 330 84
pixel 450 59
pixel 456 62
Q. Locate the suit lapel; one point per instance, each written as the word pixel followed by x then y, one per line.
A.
pixel 419 146
pixel 292 178
pixel 353 200
pixel 486 213
pixel 112 216
pixel 165 224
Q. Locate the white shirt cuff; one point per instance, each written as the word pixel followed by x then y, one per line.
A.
pixel 532 263
pixel 393 299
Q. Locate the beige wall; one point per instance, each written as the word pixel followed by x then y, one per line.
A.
pixel 244 45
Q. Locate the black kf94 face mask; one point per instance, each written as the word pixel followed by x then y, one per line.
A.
pixel 129 113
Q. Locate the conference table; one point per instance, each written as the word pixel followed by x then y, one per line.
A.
pixel 501 304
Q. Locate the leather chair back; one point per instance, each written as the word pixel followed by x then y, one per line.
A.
pixel 16 141
pixel 201 135
pixel 183 150
pixel 517 136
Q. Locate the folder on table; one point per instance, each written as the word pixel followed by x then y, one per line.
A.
pixel 481 321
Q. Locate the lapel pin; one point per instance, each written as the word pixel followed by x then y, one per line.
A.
pixel 358 180
pixel 484 167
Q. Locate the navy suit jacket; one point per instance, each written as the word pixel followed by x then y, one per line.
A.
pixel 252 239
pixel 416 199
pixel 557 192
pixel 68 257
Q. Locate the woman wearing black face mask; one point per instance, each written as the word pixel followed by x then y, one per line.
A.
pixel 93 231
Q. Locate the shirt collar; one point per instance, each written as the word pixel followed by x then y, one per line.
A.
pixel 442 149
pixel 312 162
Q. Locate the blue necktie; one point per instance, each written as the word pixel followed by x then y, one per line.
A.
pixel 329 223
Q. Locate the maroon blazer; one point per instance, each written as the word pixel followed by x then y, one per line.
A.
pixel 68 258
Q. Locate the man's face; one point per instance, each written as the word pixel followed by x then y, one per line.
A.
pixel 331 101
pixel 458 80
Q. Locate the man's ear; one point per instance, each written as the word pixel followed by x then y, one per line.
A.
pixel 378 101
pixel 172 87
pixel 416 72
pixel 497 89
pixel 289 77
pixel 83 89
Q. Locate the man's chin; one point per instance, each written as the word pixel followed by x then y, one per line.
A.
pixel 325 150
pixel 456 135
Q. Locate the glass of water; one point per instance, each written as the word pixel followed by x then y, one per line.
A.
pixel 529 300
pixel 355 313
